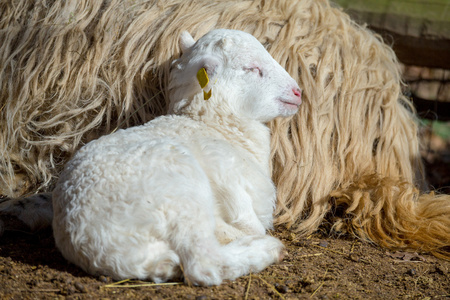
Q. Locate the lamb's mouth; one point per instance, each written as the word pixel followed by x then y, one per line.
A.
pixel 289 104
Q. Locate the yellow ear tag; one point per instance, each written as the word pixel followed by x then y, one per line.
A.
pixel 207 95
pixel 203 80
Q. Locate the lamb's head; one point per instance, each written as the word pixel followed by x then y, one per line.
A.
pixel 244 79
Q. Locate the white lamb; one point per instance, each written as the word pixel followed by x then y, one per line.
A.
pixel 189 193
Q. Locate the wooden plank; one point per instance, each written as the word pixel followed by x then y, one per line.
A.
pixel 432 110
pixel 432 53
pixel 418 30
pixel 432 10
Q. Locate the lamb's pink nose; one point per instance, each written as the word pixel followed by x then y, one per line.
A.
pixel 298 94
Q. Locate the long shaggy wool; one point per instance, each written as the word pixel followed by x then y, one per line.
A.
pixel 73 70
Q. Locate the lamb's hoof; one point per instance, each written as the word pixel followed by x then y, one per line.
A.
pixel 282 255
pixel 198 275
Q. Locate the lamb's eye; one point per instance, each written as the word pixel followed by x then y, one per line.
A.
pixel 260 72
pixel 255 70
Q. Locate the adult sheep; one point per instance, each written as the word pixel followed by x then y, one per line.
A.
pixel 74 70
pixel 191 189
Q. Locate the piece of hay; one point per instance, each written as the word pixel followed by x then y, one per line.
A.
pixel 71 71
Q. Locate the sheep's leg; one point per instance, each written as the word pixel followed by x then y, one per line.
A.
pixel 160 264
pixel 246 223
pixel 236 216
pixel 194 241
pixel 244 193
pixel 35 211
pixel 205 262
pixel 250 254
pixel 240 213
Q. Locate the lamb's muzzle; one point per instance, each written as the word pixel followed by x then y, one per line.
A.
pixel 296 99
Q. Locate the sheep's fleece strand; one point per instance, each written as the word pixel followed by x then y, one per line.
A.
pixel 73 70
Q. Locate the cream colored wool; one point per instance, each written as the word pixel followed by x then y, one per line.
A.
pixel 73 70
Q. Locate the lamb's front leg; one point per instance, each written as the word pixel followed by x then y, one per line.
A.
pixel 241 223
pixel 244 194
pixel 206 260
pixel 236 216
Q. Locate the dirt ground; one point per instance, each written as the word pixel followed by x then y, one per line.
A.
pixel 316 267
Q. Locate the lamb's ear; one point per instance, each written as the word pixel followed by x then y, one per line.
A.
pixel 186 41
pixel 211 65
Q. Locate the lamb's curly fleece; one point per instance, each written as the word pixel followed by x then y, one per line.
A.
pixel 74 70
pixel 190 189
